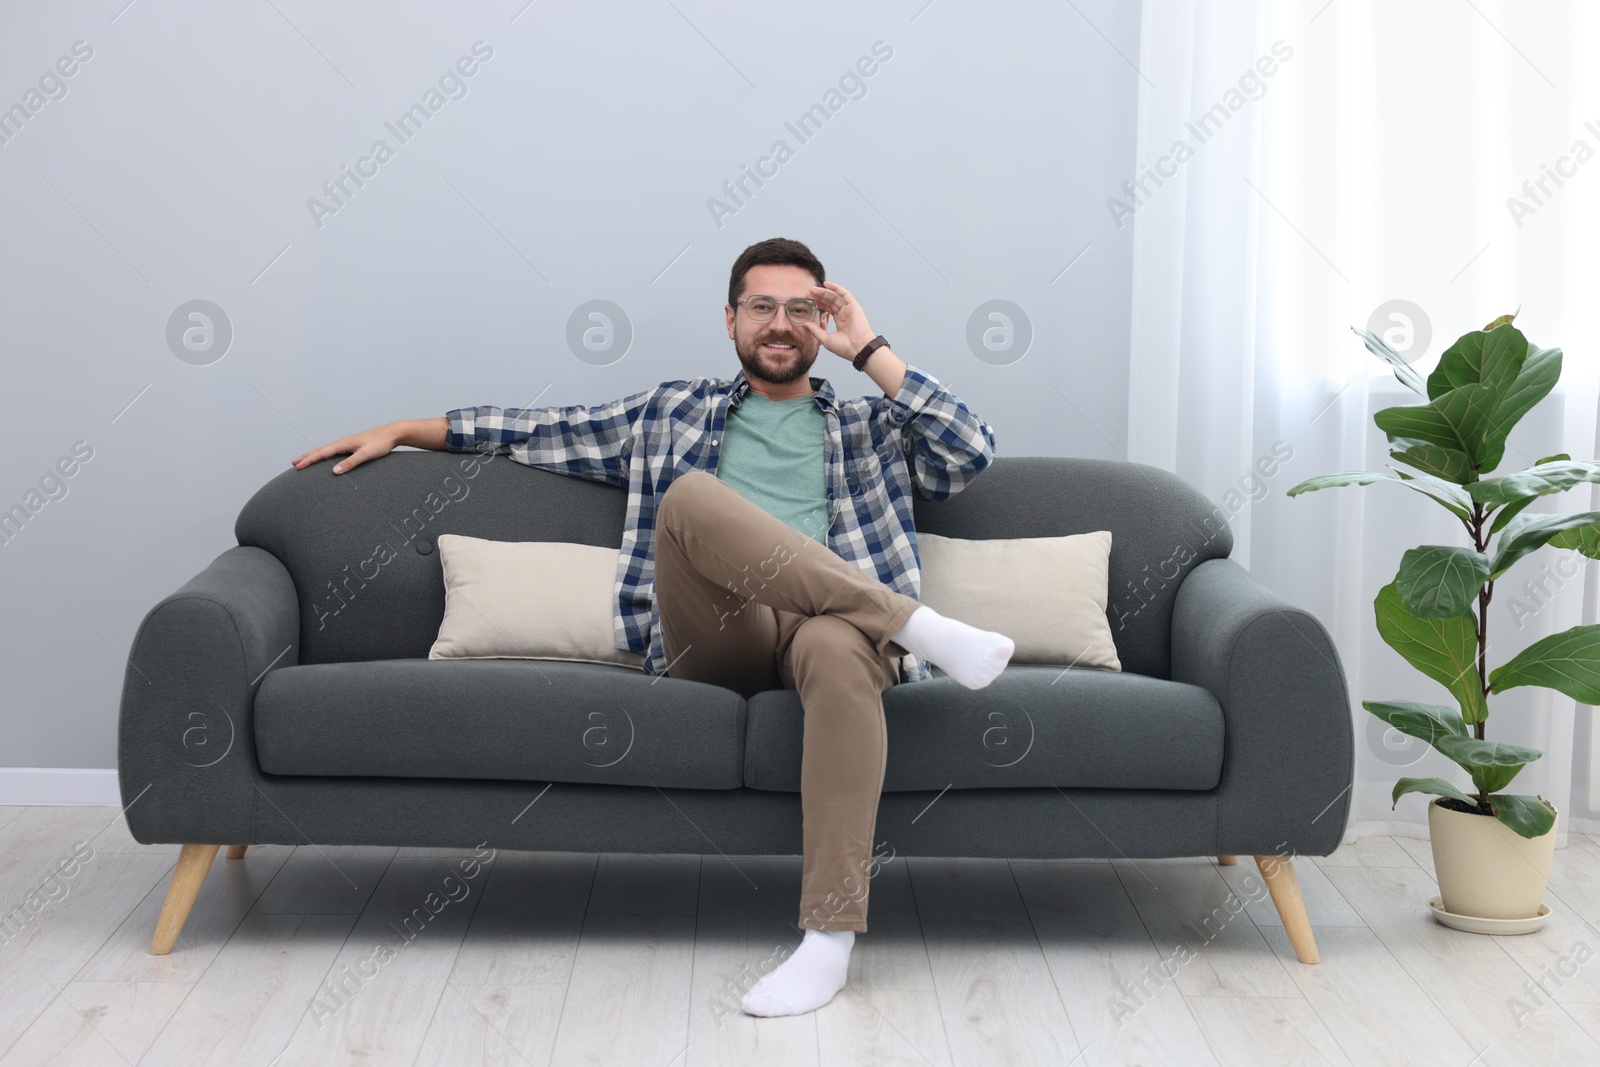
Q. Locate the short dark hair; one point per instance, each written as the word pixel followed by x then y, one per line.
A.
pixel 774 250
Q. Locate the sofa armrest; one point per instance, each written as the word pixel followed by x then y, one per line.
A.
pixel 1288 744
pixel 186 759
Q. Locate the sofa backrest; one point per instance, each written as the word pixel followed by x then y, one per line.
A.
pixel 360 547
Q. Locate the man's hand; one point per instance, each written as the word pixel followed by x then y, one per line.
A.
pixel 380 441
pixel 851 331
pixel 365 445
pixel 368 444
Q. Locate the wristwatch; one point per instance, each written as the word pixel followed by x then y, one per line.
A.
pixel 872 346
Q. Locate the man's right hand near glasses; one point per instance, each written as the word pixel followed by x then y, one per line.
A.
pixel 378 441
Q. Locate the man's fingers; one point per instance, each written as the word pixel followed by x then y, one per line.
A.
pixel 314 455
pixel 363 448
pixel 317 455
pixel 834 299
pixel 368 444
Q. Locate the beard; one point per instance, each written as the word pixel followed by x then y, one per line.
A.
pixel 772 367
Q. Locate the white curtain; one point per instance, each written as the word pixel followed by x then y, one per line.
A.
pixel 1341 156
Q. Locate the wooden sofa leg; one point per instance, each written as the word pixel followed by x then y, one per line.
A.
pixel 1285 889
pixel 236 852
pixel 1227 861
pixel 193 863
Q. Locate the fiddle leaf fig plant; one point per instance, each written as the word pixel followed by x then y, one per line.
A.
pixel 1434 612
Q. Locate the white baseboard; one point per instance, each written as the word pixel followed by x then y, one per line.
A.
pixel 59 785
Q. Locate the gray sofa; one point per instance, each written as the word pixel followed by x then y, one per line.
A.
pixel 284 695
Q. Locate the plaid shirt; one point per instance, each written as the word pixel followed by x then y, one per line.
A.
pixel 874 451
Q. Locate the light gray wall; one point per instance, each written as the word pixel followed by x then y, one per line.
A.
pixel 176 162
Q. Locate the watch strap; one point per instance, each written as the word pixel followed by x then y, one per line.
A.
pixel 871 346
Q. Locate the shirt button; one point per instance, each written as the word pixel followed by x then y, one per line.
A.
pixel 714 440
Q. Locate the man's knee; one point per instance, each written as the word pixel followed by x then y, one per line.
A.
pixel 832 642
pixel 689 484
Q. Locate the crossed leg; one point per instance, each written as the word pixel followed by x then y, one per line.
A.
pixel 749 602
pixel 741 596
pixel 719 559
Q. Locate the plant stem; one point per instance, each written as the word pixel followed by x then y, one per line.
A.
pixel 1480 542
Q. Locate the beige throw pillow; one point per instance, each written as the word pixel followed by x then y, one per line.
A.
pixel 528 600
pixel 1048 594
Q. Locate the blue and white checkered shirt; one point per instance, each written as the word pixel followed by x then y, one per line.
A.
pixel 874 451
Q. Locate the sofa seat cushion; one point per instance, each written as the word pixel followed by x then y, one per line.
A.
pixel 1032 726
pixel 499 718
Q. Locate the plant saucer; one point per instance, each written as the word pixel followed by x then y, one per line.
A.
pixel 1472 924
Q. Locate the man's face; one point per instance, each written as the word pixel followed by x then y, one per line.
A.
pixel 760 344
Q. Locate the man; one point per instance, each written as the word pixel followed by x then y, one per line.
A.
pixel 769 473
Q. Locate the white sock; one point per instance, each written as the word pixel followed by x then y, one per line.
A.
pixel 971 656
pixel 808 979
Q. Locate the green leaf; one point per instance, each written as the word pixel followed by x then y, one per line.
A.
pixel 1529 816
pixel 1333 481
pixel 1426 722
pixel 1457 420
pixel 1538 376
pixel 1586 539
pixel 1492 358
pixel 1502 319
pixel 1450 464
pixel 1539 480
pixel 1518 373
pixel 1528 533
pixel 1568 662
pixel 1438 581
pixel 1443 649
pixel 1452 497
pixel 1404 371
pixel 1491 764
pixel 1429 785
pixel 1509 512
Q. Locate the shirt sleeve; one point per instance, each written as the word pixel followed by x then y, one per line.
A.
pixel 585 442
pixel 946 445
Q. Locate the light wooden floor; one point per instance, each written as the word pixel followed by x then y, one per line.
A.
pixel 557 958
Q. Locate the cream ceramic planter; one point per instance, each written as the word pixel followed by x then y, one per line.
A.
pixel 1485 868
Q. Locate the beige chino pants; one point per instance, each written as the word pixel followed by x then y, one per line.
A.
pixel 748 602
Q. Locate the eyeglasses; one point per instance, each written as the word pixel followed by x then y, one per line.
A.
pixel 763 308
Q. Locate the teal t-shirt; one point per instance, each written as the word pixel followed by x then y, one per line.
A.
pixel 772 453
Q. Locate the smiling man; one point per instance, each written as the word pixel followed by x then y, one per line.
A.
pixel 770 545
